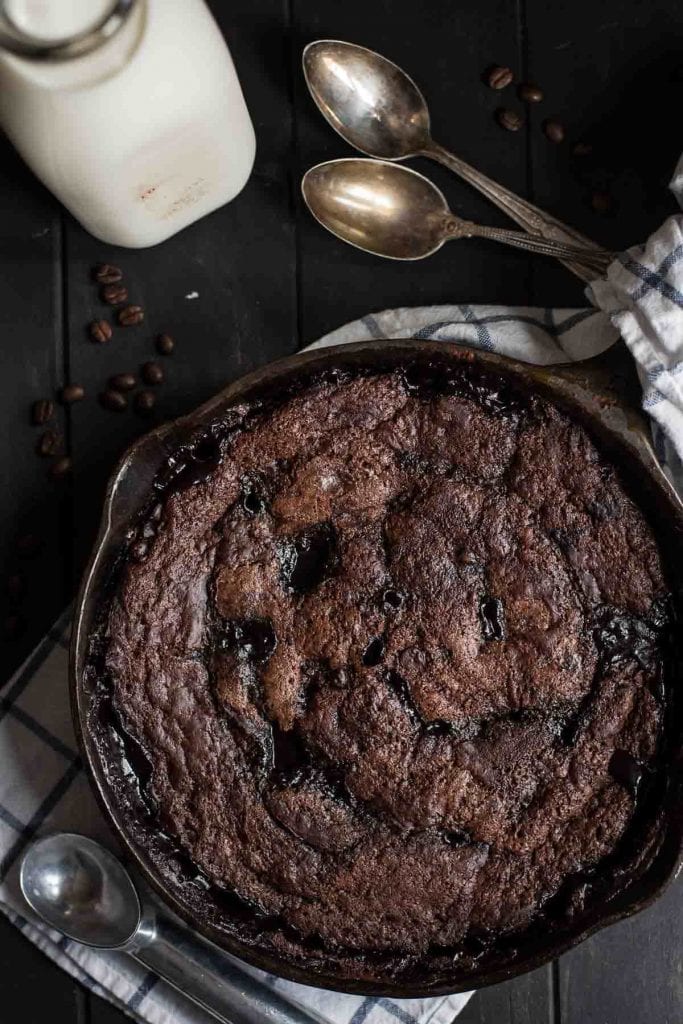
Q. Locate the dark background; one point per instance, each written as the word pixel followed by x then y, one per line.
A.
pixel 270 280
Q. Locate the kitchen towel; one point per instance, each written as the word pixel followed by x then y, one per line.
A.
pixel 643 297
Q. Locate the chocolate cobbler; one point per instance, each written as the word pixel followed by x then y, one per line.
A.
pixel 383 666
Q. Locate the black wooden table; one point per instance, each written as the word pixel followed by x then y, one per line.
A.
pixel 267 280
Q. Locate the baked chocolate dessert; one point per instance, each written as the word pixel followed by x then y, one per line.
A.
pixel 384 670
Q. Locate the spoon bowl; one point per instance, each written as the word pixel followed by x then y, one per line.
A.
pixel 378 109
pixel 395 212
pixel 387 210
pixel 80 889
pixel 368 99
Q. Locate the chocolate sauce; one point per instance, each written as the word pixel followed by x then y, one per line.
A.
pixel 492 617
pixel 627 771
pixel 252 639
pixel 308 559
pixel 374 652
pixel 289 754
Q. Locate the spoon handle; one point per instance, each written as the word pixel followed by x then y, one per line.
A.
pixel 594 261
pixel 209 978
pixel 530 217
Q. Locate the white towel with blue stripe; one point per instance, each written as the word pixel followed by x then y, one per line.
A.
pixel 42 785
pixel 643 296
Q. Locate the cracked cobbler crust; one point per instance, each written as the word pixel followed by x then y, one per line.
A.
pixel 392 662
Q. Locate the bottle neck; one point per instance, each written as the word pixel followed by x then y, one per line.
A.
pixel 60 30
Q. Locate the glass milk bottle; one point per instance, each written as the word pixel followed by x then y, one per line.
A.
pixel 130 111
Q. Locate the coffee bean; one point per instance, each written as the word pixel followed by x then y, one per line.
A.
pixel 581 149
pixel 144 401
pixel 114 294
pixel 113 400
pixel 152 373
pixel 530 93
pixel 42 411
pixel 61 467
pixel 554 131
pixel 100 331
pixel 131 316
pixel 122 381
pixel 28 545
pixel 106 273
pixel 165 344
pixel 15 586
pixel 13 627
pixel 509 119
pixel 499 77
pixel 602 202
pixel 72 393
pixel 49 443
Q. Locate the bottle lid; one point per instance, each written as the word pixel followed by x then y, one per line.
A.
pixel 59 29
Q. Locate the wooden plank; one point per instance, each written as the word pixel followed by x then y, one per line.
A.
pixel 525 1000
pixel 30 368
pixel 32 988
pixel 445 47
pixel 223 287
pixel 631 972
pixel 102 1012
pixel 605 76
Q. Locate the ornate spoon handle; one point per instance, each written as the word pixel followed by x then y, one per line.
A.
pixel 592 260
pixel 524 213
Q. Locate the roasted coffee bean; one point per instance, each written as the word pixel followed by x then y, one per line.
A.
pixel 144 401
pixel 28 545
pixel 106 273
pixel 61 467
pixel 49 443
pixel 499 77
pixel 113 400
pixel 114 294
pixel 582 149
pixel 122 381
pixel 42 411
pixel 554 131
pixel 509 119
pixel 152 373
pixel 131 316
pixel 15 586
pixel 602 202
pixel 100 331
pixel 165 344
pixel 72 393
pixel 530 93
pixel 13 627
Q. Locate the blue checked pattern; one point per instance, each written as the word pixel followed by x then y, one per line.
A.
pixel 643 297
pixel 42 784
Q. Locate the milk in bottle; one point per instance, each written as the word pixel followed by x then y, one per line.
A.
pixel 130 111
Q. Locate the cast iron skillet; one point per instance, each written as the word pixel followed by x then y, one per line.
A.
pixel 607 406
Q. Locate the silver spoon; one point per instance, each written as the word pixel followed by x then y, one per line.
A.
pixel 378 109
pixel 395 212
pixel 79 888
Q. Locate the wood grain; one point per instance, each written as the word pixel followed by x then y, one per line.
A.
pixel 31 367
